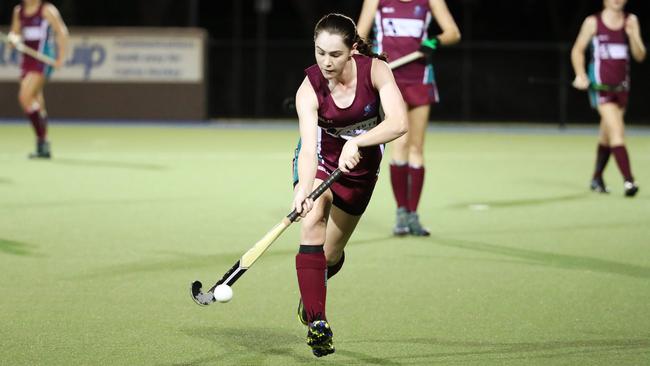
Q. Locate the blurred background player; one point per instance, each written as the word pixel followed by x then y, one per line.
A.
pixel 401 28
pixel 33 21
pixel 338 111
pixel 612 34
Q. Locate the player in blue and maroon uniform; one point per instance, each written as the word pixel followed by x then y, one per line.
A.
pixel 33 22
pixel 613 35
pixel 401 28
pixel 338 106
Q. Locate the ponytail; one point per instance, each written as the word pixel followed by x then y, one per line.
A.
pixel 365 48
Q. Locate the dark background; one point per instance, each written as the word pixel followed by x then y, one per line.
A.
pixel 512 64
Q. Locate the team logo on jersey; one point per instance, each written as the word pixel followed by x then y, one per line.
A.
pixel 417 11
pixel 603 37
pixel 369 108
pixel 387 10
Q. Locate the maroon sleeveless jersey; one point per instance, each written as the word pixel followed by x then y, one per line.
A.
pixel 400 28
pixel 610 58
pixel 336 125
pixel 36 34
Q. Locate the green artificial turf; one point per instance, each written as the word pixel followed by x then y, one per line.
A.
pixel 525 266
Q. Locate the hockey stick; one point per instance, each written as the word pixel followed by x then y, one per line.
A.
pixel 593 86
pixel 253 254
pixel 427 48
pixel 23 48
pixel 405 59
pixel 608 87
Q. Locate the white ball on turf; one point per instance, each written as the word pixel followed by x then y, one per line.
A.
pixel 223 293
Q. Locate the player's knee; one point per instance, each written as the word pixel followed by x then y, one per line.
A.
pixel 312 238
pixel 313 230
pixel 416 151
pixel 616 140
pixel 400 147
pixel 25 101
pixel 333 257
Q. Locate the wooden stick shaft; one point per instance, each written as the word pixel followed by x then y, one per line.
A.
pixel 405 59
pixel 23 48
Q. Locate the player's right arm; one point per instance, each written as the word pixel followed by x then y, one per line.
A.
pixel 14 30
pixel 307 109
pixel 368 11
pixel 587 31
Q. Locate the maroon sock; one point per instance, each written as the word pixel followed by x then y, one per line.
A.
pixel 311 266
pixel 334 269
pixel 416 182
pixel 38 124
pixel 43 116
pixel 399 181
pixel 602 157
pixel 623 161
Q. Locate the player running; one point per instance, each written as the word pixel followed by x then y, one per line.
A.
pixel 612 34
pixel 33 22
pixel 338 106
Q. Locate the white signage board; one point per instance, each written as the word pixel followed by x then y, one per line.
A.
pixel 121 58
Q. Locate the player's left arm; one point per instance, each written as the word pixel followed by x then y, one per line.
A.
pixel 633 30
pixel 61 36
pixel 450 32
pixel 395 122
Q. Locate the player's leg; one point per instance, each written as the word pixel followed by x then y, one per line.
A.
pixel 310 260
pixel 340 227
pixel 612 115
pixel 44 148
pixel 399 181
pixel 40 98
pixel 31 86
pixel 602 157
pixel 418 121
pixel 631 187
pixel 339 230
pixel 311 267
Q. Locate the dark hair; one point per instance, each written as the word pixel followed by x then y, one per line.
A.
pixel 344 26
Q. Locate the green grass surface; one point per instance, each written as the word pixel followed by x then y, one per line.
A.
pixel 99 245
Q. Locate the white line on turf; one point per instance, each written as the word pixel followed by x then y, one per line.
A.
pixel 479 207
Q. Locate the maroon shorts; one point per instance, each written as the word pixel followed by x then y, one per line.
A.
pixel 352 191
pixel 351 194
pixel 598 97
pixel 416 95
pixel 37 67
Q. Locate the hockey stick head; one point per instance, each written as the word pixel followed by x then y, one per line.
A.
pixel 198 296
pixel 247 260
